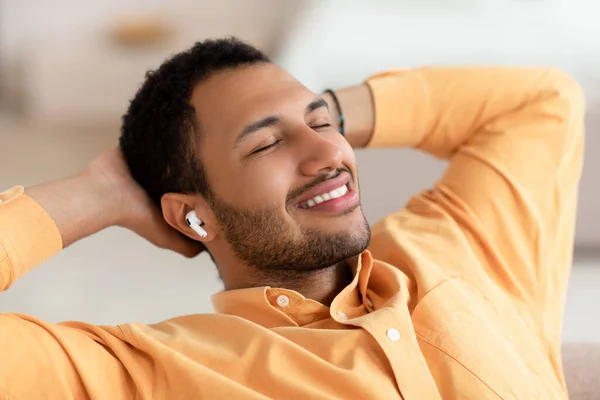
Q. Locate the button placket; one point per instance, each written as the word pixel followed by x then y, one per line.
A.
pixel 402 350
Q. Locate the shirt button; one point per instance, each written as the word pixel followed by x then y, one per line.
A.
pixel 342 315
pixel 283 301
pixel 393 335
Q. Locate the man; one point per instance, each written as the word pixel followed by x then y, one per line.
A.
pixel 459 296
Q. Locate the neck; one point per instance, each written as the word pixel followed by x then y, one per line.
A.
pixel 321 285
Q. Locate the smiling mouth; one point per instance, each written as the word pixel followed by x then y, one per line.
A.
pixel 336 193
pixel 333 196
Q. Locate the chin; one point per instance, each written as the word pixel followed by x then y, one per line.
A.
pixel 350 219
pixel 355 231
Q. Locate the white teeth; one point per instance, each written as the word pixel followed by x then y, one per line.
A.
pixel 334 194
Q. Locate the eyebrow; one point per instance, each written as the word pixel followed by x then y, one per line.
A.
pixel 274 120
pixel 316 104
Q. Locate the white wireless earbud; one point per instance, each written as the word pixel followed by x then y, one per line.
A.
pixel 194 222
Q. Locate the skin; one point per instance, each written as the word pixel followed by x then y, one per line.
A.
pixel 104 194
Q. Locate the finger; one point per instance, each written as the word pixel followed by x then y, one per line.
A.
pixel 187 247
pixel 164 236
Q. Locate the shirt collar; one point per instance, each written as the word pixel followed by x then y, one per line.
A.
pixel 266 306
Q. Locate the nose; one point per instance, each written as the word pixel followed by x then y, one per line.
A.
pixel 319 154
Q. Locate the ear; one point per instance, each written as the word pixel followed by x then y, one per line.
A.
pixel 175 206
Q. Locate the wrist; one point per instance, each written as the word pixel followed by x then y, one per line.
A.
pixel 76 205
pixel 357 106
pixel 103 194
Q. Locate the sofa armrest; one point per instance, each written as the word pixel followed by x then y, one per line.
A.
pixel 581 365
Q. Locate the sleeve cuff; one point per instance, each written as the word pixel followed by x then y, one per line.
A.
pixel 27 233
pixel 400 101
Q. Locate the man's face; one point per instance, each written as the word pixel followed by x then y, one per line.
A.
pixel 283 180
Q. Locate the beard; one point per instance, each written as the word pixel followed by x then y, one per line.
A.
pixel 264 240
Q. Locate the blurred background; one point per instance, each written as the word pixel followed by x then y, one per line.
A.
pixel 69 67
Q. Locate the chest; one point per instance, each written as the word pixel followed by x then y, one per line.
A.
pixel 456 344
pixel 479 346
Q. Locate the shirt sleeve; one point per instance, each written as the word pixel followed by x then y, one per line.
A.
pixel 58 360
pixel 67 360
pixel 28 236
pixel 504 209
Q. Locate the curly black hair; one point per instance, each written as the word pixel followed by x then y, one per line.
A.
pixel 159 134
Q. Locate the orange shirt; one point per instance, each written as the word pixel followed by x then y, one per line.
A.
pixel 460 296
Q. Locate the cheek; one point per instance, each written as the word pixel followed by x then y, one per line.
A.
pixel 265 184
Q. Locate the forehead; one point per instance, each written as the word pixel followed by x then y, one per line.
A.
pixel 229 99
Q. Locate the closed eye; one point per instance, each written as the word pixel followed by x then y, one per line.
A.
pixel 266 147
pixel 321 126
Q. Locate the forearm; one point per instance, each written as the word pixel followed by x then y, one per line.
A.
pixel 36 223
pixel 78 205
